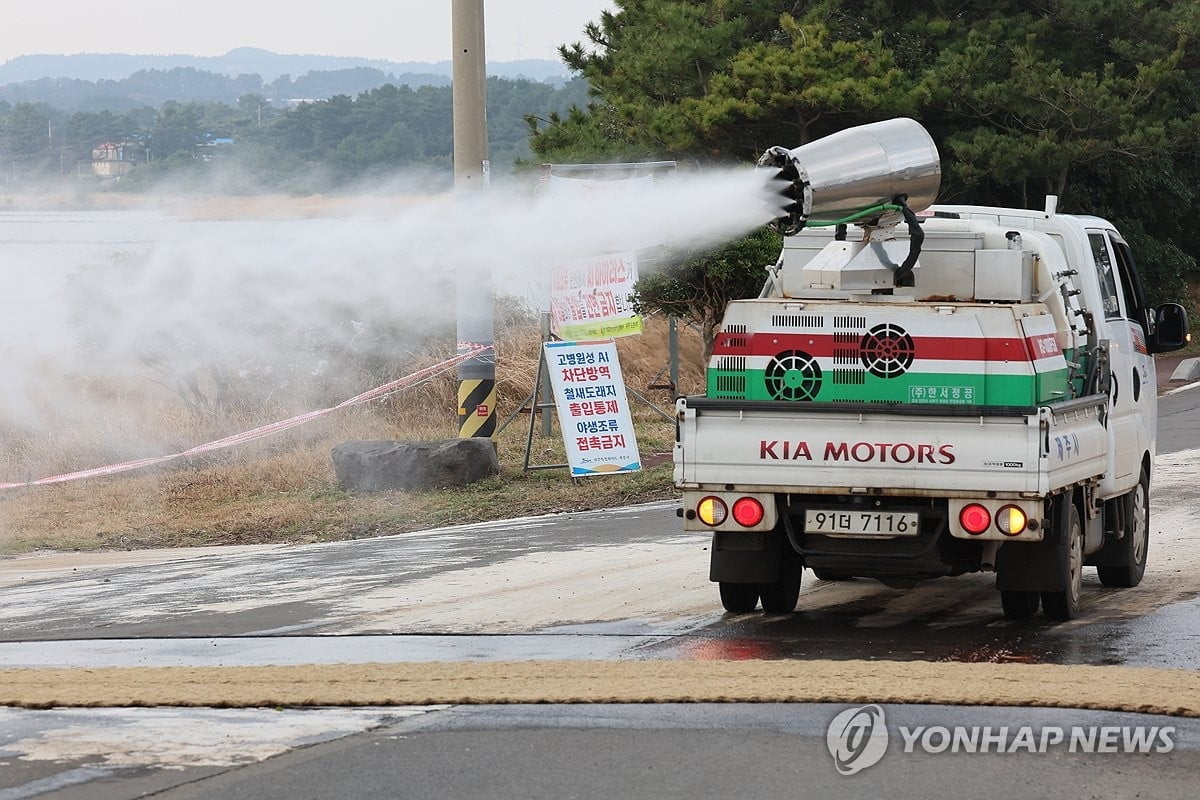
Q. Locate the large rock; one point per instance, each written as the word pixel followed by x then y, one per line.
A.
pixel 376 466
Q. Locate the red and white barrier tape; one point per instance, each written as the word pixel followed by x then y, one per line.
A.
pixel 256 433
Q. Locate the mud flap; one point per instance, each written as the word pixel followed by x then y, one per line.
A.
pixel 745 558
pixel 1112 554
pixel 1036 566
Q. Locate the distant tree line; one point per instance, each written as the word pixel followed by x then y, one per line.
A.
pixel 313 146
pixel 153 87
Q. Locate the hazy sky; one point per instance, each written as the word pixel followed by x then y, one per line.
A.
pixel 395 30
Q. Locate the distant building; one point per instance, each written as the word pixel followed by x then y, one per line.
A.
pixel 212 147
pixel 112 160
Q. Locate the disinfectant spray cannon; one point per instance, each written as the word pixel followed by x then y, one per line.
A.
pixel 874 176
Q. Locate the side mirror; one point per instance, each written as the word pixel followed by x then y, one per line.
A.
pixel 1170 328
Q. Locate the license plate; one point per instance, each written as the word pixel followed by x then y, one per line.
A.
pixel 861 523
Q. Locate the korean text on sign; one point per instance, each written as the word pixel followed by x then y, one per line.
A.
pixel 592 298
pixel 593 410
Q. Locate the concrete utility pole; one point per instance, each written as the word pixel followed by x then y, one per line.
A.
pixel 477 376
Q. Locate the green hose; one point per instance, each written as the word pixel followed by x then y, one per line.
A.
pixel 866 212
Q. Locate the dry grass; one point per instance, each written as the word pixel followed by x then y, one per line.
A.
pixel 283 489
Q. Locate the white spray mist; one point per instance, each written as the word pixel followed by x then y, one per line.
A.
pixel 130 301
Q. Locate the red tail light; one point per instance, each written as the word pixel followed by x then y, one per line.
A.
pixel 974 519
pixel 747 512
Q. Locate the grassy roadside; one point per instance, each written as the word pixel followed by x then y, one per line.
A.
pixel 196 507
pixel 282 490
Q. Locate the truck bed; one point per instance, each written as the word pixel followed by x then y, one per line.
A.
pixel 888 449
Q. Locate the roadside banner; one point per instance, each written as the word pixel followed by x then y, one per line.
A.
pixel 593 409
pixel 590 298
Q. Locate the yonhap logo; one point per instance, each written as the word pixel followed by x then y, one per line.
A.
pixel 857 738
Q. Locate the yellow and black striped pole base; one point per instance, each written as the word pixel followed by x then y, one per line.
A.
pixel 476 408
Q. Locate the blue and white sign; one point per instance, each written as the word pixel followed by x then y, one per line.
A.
pixel 593 409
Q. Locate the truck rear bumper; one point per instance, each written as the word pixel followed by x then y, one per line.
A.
pixel 932 553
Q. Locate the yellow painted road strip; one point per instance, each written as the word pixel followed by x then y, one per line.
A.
pixel 1158 691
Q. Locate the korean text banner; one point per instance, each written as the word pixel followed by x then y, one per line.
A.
pixel 590 298
pixel 593 409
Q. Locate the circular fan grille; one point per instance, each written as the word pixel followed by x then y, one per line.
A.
pixel 793 375
pixel 886 351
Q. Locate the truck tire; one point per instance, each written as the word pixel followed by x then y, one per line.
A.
pixel 1018 604
pixel 1130 564
pixel 1064 605
pixel 740 598
pixel 781 596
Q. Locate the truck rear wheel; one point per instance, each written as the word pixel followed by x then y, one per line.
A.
pixel 1132 548
pixel 781 596
pixel 740 598
pixel 1064 605
pixel 1018 604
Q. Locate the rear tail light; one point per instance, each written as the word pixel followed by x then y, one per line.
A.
pixel 1011 521
pixel 747 512
pixel 712 510
pixel 974 519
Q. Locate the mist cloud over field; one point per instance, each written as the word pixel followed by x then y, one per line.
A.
pixel 104 307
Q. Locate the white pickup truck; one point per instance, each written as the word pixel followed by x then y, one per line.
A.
pixel 975 394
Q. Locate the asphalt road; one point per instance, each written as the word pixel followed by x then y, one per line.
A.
pixel 1179 420
pixel 618 584
pixel 776 751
